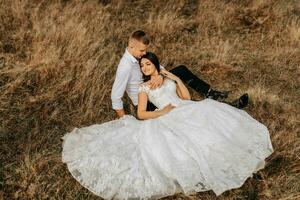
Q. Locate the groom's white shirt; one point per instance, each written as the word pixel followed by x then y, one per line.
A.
pixel 128 78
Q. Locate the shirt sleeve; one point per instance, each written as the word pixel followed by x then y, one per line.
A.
pixel 119 86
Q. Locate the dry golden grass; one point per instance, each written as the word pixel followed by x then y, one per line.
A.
pixel 57 65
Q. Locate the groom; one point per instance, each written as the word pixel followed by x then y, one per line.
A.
pixel 129 76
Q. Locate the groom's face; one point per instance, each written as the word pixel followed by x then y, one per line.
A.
pixel 138 49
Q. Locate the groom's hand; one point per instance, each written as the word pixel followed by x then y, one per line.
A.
pixel 120 113
pixel 156 82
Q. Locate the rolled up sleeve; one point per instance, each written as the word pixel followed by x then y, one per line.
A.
pixel 119 86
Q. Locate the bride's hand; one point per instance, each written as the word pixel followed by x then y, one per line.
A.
pixel 168 108
pixel 169 75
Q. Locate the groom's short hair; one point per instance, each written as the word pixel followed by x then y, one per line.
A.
pixel 140 36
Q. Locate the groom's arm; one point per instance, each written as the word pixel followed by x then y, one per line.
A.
pixel 119 87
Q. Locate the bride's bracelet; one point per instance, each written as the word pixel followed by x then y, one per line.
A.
pixel 162 75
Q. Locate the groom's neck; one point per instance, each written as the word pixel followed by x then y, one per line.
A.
pixel 129 50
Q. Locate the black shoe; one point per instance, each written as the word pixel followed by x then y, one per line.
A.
pixel 241 102
pixel 214 94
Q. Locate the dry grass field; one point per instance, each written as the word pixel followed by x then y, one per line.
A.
pixel 58 60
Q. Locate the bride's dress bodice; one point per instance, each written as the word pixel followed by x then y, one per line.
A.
pixel 162 96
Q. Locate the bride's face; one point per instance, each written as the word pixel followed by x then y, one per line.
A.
pixel 147 67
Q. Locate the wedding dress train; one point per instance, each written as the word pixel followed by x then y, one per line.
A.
pixel 198 146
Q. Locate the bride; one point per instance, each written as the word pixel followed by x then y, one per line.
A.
pixel 183 146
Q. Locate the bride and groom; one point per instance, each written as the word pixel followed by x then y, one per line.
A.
pixel 180 145
pixel 129 76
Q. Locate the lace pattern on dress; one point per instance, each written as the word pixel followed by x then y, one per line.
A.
pixel 144 88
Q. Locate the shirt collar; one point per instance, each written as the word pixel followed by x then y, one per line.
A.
pixel 131 57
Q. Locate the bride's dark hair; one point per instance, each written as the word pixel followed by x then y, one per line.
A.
pixel 153 58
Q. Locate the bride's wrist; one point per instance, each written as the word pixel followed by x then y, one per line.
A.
pixel 177 80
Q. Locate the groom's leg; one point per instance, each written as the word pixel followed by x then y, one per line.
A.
pixel 197 84
pixel 191 80
pixel 204 88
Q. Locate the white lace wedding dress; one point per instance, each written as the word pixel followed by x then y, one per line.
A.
pixel 198 146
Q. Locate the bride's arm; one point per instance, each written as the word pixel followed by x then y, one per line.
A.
pixel 181 90
pixel 142 112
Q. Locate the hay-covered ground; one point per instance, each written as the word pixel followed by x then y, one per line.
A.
pixel 57 64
